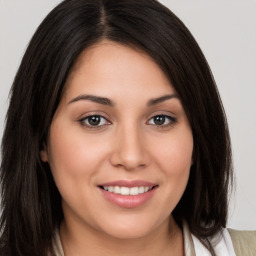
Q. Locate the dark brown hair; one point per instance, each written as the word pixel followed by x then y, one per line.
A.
pixel 31 203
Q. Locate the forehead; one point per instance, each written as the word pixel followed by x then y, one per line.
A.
pixel 112 68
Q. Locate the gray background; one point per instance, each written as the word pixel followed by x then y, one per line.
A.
pixel 226 32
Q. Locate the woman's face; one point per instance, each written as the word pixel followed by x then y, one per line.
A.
pixel 120 128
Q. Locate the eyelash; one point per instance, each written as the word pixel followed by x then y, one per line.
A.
pixel 171 121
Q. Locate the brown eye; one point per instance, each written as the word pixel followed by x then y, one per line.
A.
pixel 94 121
pixel 162 120
pixel 159 120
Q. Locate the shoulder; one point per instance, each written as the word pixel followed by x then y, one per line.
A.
pixel 244 242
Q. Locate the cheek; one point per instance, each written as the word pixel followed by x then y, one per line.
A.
pixel 75 160
pixel 174 154
pixel 73 152
pixel 174 157
pixel 177 170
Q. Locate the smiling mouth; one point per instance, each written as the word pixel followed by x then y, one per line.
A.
pixel 128 194
pixel 128 191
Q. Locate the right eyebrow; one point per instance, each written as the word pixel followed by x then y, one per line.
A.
pixel 93 98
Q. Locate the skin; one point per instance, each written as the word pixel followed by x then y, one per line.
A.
pixel 126 145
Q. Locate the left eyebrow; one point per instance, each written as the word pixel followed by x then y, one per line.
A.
pixel 161 99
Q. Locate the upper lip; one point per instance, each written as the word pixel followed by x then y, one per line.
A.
pixel 128 183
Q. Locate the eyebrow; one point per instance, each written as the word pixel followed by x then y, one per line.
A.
pixel 163 98
pixel 108 102
pixel 93 98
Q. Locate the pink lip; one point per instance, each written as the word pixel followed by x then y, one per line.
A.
pixel 129 201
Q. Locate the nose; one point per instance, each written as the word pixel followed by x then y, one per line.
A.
pixel 129 151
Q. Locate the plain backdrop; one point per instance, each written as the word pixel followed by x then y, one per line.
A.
pixel 226 32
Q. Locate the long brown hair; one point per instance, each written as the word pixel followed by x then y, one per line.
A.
pixel 31 203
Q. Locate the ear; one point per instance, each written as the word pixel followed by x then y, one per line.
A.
pixel 44 154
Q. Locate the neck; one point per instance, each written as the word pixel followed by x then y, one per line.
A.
pixel 78 240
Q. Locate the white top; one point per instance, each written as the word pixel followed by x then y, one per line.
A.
pixel 221 243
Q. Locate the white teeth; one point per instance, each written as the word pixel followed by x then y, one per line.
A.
pixel 141 190
pixel 117 190
pixel 124 191
pixel 133 191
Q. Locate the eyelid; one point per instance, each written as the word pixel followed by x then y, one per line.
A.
pixel 92 113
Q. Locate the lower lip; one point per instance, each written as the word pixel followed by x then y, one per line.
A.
pixel 128 201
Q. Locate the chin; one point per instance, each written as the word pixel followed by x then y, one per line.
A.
pixel 128 229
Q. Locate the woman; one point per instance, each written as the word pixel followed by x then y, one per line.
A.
pixel 116 141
